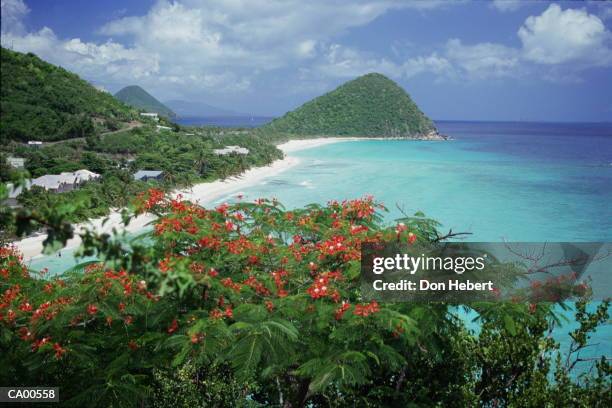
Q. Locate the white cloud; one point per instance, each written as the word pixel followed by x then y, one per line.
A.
pixel 345 62
pixel 259 34
pixel 433 63
pixel 110 60
pixel 483 60
pixel 206 45
pixel 455 61
pixel 13 12
pixel 508 5
pixel 184 48
pixel 559 36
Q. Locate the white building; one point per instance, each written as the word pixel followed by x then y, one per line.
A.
pixel 59 183
pixel 151 115
pixel 160 127
pixel 35 143
pixel 16 162
pixel 231 149
pixel 146 175
pixel 14 192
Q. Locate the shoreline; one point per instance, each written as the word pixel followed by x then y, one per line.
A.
pixel 202 193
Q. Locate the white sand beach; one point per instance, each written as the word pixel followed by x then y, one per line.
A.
pixel 202 193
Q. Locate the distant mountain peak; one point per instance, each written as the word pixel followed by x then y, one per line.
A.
pixel 199 109
pixel 137 97
pixel 371 105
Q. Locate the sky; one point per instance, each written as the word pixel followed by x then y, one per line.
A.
pixel 459 60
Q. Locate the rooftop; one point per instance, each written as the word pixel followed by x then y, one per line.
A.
pixel 15 191
pixel 140 174
pixel 53 181
pixel 231 149
pixel 16 162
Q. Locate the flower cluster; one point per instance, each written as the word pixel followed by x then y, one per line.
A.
pixel 147 201
pixel 366 309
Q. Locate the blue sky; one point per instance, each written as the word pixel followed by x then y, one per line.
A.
pixel 464 60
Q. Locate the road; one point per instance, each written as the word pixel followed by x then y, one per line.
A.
pixel 131 125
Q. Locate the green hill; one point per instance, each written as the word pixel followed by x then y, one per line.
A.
pixel 137 97
pixel 371 106
pixel 40 101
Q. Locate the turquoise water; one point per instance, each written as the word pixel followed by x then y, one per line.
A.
pixel 512 181
pixel 465 184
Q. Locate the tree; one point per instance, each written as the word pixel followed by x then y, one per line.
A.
pixel 271 299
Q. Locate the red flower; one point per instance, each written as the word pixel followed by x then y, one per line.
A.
pixel 253 259
pixel 341 310
pixel 317 291
pixel 25 307
pixel 92 309
pixel 229 283
pixel 59 350
pixel 173 327
pixel 222 209
pixel 401 227
pixel 269 306
pixel 155 196
pixel 411 238
pixel 39 343
pixel 25 334
pixel 366 309
pixel 229 313
pixel 216 314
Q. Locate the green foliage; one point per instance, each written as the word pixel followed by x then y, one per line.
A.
pixel 138 98
pixel 219 309
pixel 202 387
pixel 371 105
pixel 40 101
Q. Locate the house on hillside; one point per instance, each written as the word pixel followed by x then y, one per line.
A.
pixel 146 175
pixel 67 181
pixel 151 115
pixel 14 192
pixel 160 127
pixel 16 162
pixel 35 144
pixel 55 183
pixel 231 149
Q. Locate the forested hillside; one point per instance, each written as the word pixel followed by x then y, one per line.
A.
pixel 371 105
pixel 138 98
pixel 41 101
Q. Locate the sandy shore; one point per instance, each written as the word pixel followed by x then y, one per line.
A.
pixel 202 193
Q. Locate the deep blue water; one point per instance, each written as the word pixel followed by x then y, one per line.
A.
pixel 224 121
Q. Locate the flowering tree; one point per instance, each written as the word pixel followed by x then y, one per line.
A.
pixel 262 298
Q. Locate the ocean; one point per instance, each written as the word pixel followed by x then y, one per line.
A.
pixel 512 181
pixel 527 182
